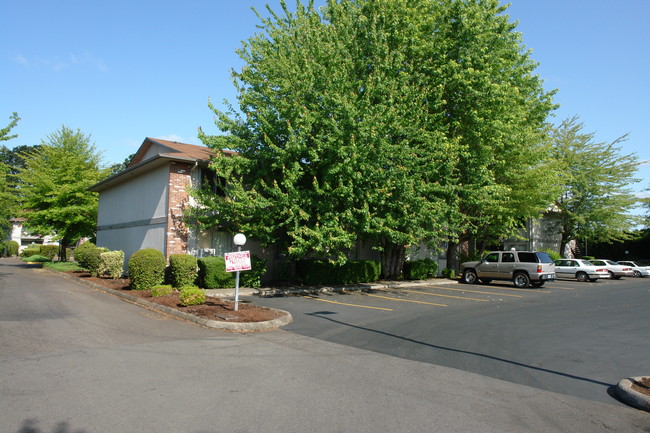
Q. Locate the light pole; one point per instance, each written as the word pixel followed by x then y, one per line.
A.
pixel 240 240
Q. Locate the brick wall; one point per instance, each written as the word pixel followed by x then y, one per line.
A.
pixel 178 200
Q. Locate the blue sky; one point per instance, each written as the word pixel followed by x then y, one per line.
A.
pixel 124 70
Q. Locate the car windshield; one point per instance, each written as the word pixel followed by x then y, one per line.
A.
pixel 584 263
pixel 611 262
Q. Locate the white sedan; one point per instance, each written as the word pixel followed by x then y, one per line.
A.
pixel 581 270
pixel 637 270
pixel 615 270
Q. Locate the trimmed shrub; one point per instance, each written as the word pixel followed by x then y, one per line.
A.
pixel 182 270
pixel 318 272
pixel 36 258
pixel 162 290
pixel 12 248
pixel 212 273
pixel 588 258
pixel 420 269
pixel 448 273
pixel 49 251
pixel 252 278
pixel 147 269
pixel 31 250
pixel 81 251
pixel 93 261
pixel 192 295
pixel 111 263
pixel 553 254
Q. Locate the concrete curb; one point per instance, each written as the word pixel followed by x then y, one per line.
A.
pixel 632 397
pixel 282 291
pixel 216 324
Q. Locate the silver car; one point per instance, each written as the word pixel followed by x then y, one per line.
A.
pixel 637 269
pixel 581 270
pixel 615 270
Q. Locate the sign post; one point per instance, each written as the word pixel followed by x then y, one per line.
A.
pixel 236 262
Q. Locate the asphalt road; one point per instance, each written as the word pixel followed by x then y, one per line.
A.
pixel 568 337
pixel 76 360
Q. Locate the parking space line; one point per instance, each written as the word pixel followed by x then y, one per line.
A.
pixel 405 300
pixel 446 296
pixel 531 289
pixel 344 303
pixel 475 291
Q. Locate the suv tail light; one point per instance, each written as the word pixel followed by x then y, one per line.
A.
pixel 539 269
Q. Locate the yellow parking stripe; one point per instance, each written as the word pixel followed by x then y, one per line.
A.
pixel 343 303
pixel 445 296
pixel 405 300
pixel 475 291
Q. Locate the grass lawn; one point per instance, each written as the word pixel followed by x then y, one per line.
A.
pixel 63 266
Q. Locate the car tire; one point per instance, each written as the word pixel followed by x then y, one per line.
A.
pixel 521 280
pixel 582 277
pixel 537 283
pixel 611 275
pixel 485 281
pixel 469 276
pixel 637 274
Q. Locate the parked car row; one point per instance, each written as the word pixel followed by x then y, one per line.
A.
pixel 534 268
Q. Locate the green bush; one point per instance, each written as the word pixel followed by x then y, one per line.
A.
pixel 420 269
pixel 111 263
pixel 588 258
pixel 36 258
pixel 212 273
pixel 319 272
pixel 182 270
pixel 31 250
pixel 12 248
pixel 252 278
pixel 81 252
pixel 554 254
pixel 49 251
pixel 192 295
pixel 448 273
pixel 147 269
pixel 162 290
pixel 4 249
pixel 93 261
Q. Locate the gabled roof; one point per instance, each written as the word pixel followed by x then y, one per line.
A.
pixel 171 150
pixel 155 152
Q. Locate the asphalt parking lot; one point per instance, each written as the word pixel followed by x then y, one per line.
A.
pixel 569 337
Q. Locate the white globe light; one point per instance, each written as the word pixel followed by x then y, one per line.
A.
pixel 240 239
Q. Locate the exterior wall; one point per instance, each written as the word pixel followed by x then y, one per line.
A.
pixel 178 199
pixel 133 215
pixel 539 234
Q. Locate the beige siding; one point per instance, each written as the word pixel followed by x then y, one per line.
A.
pixel 133 214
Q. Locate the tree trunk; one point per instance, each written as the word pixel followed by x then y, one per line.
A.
pixel 452 255
pixel 392 260
pixel 63 250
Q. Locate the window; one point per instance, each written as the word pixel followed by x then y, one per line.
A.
pixel 508 257
pixel 492 258
pixel 527 257
pixel 214 183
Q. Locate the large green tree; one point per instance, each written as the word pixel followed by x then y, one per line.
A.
pixel 53 187
pixel 390 121
pixel 8 204
pixel 596 200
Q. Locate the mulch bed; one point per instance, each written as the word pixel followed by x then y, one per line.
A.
pixel 642 385
pixel 214 308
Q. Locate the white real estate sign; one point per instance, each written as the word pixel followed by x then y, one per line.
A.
pixel 238 261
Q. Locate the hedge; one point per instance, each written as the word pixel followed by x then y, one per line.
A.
pixel 420 269
pixel 111 264
pixel 320 272
pixel 81 252
pixel 147 269
pixel 182 270
pixel 213 275
pixel 49 251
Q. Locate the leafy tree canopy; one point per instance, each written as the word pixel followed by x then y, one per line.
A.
pixel 390 121
pixel 54 183
pixel 597 201
pixel 8 205
pixel 4 132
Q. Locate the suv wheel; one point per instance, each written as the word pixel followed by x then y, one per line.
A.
pixel 469 276
pixel 521 280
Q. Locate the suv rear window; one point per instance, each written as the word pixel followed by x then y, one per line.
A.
pixel 538 257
